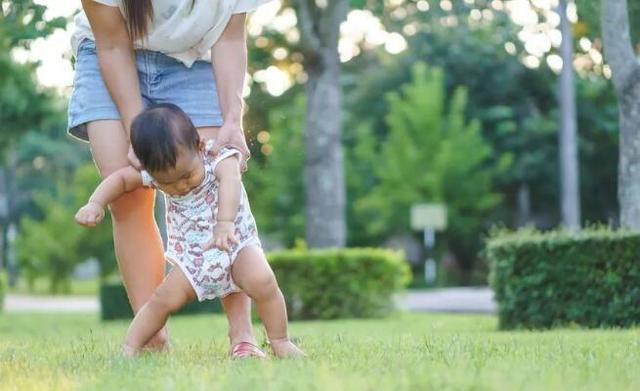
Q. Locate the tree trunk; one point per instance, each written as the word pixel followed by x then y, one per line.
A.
pixel 4 217
pixel 524 205
pixel 626 79
pixel 324 173
pixel 569 171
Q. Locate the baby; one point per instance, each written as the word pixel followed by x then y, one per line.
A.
pixel 212 235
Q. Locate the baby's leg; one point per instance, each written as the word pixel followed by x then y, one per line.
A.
pixel 174 292
pixel 254 276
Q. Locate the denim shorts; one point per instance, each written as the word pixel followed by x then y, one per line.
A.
pixel 162 79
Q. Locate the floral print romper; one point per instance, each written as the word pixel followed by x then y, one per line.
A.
pixel 191 219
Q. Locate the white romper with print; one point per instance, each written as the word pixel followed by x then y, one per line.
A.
pixel 191 219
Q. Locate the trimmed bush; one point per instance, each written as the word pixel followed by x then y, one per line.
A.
pixel 114 304
pixel 317 284
pixel 587 279
pixel 3 288
pixel 339 283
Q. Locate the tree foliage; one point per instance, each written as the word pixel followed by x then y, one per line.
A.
pixel 590 13
pixel 276 185
pixel 24 105
pixel 53 245
pixel 433 154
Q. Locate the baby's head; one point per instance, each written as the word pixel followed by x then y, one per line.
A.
pixel 167 144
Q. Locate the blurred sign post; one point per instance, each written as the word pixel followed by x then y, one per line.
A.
pixel 429 218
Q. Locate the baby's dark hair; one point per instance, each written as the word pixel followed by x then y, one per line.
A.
pixel 156 134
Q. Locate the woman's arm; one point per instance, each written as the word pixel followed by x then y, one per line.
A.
pixel 229 60
pixel 116 58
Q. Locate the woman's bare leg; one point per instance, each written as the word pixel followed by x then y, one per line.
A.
pixel 237 306
pixel 252 274
pixel 136 238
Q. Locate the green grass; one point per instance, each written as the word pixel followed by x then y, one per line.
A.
pixel 404 352
pixel 89 287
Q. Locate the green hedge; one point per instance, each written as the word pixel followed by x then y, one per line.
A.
pixel 114 304
pixel 339 283
pixel 588 279
pixel 3 288
pixel 317 284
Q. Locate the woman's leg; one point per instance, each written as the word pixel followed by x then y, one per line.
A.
pixel 136 238
pixel 171 295
pixel 252 274
pixel 237 306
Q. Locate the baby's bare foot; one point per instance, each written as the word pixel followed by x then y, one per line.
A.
pixel 159 342
pixel 128 351
pixel 284 348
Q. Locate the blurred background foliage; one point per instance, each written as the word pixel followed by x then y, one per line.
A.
pixel 444 101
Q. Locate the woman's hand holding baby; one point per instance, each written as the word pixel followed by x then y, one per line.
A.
pixel 90 215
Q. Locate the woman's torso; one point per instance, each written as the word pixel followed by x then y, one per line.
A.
pixel 182 29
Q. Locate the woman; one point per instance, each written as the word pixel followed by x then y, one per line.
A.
pixel 131 53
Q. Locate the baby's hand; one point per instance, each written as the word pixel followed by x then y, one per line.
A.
pixel 223 236
pixel 90 214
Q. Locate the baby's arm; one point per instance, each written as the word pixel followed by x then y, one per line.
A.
pixel 229 187
pixel 122 181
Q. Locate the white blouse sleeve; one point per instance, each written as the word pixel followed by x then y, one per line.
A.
pixel 247 5
pixel 147 179
pixel 110 3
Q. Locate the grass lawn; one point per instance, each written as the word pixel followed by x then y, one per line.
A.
pixel 404 352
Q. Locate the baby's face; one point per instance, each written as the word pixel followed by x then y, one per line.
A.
pixel 187 174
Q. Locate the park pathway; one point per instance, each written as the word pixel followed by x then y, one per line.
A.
pixel 464 300
pixel 29 303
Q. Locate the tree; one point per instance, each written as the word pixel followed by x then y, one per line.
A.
pixel 319 23
pixel 49 247
pixel 626 79
pixel 432 154
pixel 23 105
pixel 96 242
pixel 568 140
pixel 276 185
pixel 53 244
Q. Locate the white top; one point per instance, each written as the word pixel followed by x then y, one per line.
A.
pixel 177 30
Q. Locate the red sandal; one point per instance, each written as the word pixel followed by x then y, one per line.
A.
pixel 244 349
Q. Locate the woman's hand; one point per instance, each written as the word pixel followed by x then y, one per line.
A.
pixel 133 159
pixel 229 60
pixel 233 135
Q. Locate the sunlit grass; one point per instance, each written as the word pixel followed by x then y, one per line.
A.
pixel 406 351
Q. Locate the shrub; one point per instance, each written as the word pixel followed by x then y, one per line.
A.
pixel 339 283
pixel 3 288
pixel 114 304
pixel 543 280
pixel 317 284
